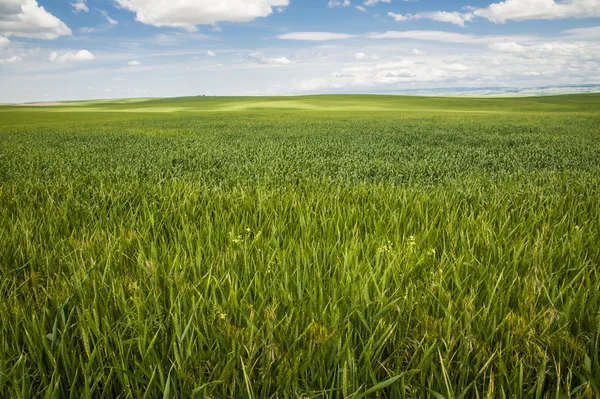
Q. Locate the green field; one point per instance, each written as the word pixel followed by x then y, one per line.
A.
pixel 301 247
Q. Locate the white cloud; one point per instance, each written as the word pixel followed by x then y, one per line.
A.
pixel 79 6
pixel 456 67
pixel 280 61
pixel 445 37
pixel 416 51
pixel 399 17
pixel 25 18
pixel 174 39
pixel 363 57
pixel 507 47
pixel 371 3
pixel 361 8
pixel 500 63
pixel 584 33
pixel 573 52
pixel 315 36
pixel 134 63
pixel 386 74
pixel 108 18
pixel 186 14
pixel 4 42
pixel 427 35
pixel 87 30
pixel 519 10
pixel 512 10
pixel 260 58
pixel 455 18
pixel 11 60
pixel 81 55
pixel 210 53
pixel 338 3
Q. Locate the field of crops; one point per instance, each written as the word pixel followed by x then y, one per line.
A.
pixel 313 247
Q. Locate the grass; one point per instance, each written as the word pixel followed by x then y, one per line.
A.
pixel 333 246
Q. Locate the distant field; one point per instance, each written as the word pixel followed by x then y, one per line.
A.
pixel 97 110
pixel 300 247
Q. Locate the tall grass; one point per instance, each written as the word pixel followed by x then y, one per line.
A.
pixel 281 254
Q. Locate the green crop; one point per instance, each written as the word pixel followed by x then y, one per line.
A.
pixel 334 246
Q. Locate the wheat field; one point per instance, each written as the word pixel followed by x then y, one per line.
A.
pixel 303 247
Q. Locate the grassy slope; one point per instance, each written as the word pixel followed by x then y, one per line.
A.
pixel 301 247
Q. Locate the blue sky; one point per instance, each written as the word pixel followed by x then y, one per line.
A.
pixel 83 49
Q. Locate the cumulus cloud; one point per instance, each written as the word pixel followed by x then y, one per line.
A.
pixel 187 14
pixel 455 18
pixel 11 60
pixel 4 42
pixel 134 63
pixel 338 3
pixel 210 53
pixel 519 10
pixel 25 18
pixel 315 36
pixel 79 6
pixel 361 8
pixel 81 55
pixel 260 58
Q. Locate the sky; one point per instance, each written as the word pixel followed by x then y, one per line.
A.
pixel 86 49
